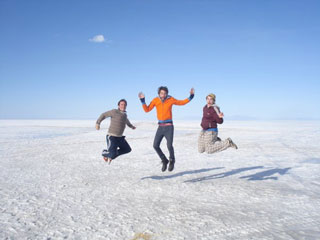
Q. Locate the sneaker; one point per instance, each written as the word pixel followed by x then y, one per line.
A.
pixel 108 160
pixel 105 153
pixel 232 144
pixel 164 165
pixel 171 165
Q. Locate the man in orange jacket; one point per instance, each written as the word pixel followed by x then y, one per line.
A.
pixel 163 104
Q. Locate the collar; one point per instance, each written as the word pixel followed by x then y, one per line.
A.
pixel 167 97
pixel 121 111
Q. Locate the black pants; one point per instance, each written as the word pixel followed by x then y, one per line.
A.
pixel 167 132
pixel 116 146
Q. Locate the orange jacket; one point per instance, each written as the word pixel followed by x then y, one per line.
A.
pixel 164 109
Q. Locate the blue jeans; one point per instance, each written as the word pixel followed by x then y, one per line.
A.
pixel 116 146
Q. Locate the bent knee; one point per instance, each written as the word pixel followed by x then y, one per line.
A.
pixel 202 150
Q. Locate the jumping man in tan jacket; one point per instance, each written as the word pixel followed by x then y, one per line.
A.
pixel 116 143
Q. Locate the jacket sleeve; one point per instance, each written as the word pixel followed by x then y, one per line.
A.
pixel 217 119
pixel 104 116
pixel 202 124
pixel 183 102
pixel 145 107
pixel 129 123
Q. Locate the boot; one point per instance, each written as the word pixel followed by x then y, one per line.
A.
pixel 232 144
pixel 171 165
pixel 164 165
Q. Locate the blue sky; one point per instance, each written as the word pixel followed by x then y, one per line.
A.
pixel 261 58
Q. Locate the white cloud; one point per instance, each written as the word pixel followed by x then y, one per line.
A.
pixel 97 39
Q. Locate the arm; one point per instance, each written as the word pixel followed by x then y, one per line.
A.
pixel 218 118
pixel 102 117
pixel 185 101
pixel 144 105
pixel 129 124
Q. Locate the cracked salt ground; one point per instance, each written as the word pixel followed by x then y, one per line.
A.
pixel 56 185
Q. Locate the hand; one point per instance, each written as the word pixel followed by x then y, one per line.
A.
pixel 141 95
pixel 133 127
pixel 221 115
pixel 192 91
pixel 97 126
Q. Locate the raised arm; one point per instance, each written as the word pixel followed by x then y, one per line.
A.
pixel 185 101
pixel 145 107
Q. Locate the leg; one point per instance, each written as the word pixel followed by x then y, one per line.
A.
pixel 112 145
pixel 201 142
pixel 124 147
pixel 156 144
pixel 211 143
pixel 105 152
pixel 168 133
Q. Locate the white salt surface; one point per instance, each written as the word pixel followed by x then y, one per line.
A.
pixel 55 185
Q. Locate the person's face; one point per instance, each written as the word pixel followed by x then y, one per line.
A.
pixel 209 100
pixel 163 94
pixel 122 106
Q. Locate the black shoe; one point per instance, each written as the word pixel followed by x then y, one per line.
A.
pixel 171 165
pixel 232 144
pixel 164 165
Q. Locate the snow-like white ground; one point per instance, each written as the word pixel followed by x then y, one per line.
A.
pixel 55 185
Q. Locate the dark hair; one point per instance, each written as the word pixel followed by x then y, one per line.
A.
pixel 122 100
pixel 163 88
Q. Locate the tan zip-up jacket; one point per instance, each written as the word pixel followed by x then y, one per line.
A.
pixel 118 122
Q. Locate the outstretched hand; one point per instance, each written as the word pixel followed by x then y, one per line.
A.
pixel 141 95
pixel 192 91
pixel 97 126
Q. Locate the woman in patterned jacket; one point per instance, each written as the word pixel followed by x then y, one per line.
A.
pixel 208 139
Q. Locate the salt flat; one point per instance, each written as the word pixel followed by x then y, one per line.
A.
pixel 55 185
